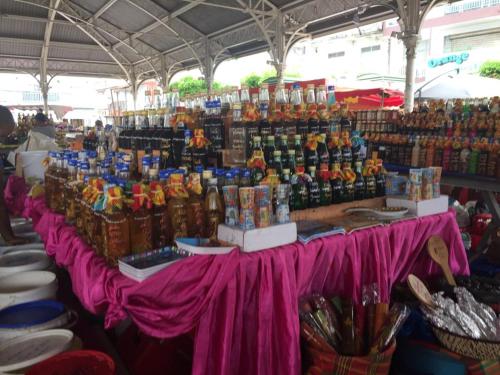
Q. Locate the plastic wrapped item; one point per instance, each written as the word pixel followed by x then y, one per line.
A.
pixel 262 204
pixel 347 328
pixel 247 205
pixel 427 183
pixel 436 181
pixel 230 193
pixel 393 323
pixel 415 185
pixel 328 318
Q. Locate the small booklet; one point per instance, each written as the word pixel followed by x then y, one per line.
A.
pixel 203 246
pixel 141 266
pixel 308 230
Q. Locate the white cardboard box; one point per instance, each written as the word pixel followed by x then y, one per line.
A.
pixel 420 208
pixel 259 238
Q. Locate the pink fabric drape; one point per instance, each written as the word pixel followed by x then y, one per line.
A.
pixel 244 305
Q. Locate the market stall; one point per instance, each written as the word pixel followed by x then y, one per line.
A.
pixel 248 301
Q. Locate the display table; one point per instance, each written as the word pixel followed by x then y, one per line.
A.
pixel 243 306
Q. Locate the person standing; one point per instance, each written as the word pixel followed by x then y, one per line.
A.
pixel 7 125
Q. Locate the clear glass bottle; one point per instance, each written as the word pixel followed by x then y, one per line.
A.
pixel 359 182
pixel 213 210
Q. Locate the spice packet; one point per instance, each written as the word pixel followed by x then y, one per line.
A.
pixel 415 185
pixel 427 183
pixel 436 181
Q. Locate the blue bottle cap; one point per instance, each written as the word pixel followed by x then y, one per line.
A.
pixel 198 169
pixel 156 159
pixel 220 172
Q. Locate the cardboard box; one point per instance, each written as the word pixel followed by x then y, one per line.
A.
pixel 259 238
pixel 420 208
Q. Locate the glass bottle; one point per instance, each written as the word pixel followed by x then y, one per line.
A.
pixel 334 150
pixel 269 149
pixel 178 142
pixel 283 147
pixel 324 116
pixel 199 149
pixel 311 151
pixel 290 161
pixel 323 155
pixel 282 203
pixel 312 109
pixel 277 164
pixel 187 152
pixel 116 236
pixel 337 184
pixel 349 178
pixel 379 178
pixel 296 100
pixel 346 149
pixel 160 219
pixel 213 210
pixel 415 153
pixel 70 188
pixel 325 189
pixel 257 162
pixel 177 205
pixel 245 179
pixel 370 181
pixel 195 211
pixel 264 125
pixel 359 182
pixel 300 196
pixel 141 233
pixel 313 187
pixel 299 153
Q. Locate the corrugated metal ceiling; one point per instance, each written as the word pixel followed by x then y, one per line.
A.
pixel 137 39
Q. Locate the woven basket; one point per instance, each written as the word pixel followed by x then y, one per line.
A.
pixel 477 349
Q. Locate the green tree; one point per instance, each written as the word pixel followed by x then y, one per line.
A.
pixel 252 80
pixel 189 85
pixel 490 68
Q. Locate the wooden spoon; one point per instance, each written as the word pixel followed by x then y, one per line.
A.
pixel 420 291
pixel 438 251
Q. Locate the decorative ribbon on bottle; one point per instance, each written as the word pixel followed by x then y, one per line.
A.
pixel 323 113
pixel 298 111
pixel 257 160
pixel 199 140
pixel 334 141
pixel 140 197
pixel 176 187
pixel 346 141
pixel 312 111
pixel 113 198
pixel 348 174
pixel 157 194
pixel 194 185
pixel 287 113
pixel 276 116
pixel 271 178
pixel 312 141
pixel 251 113
pixel 369 168
pixel 335 173
pixel 92 191
pixel 183 117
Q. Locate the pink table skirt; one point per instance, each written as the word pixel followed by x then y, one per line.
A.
pixel 244 306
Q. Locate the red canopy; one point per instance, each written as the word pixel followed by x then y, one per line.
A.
pixel 370 98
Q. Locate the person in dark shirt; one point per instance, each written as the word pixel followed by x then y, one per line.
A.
pixel 42 126
pixel 7 125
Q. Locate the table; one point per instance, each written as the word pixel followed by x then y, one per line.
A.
pixel 243 306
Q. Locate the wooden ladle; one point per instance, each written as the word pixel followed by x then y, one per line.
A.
pixel 438 251
pixel 420 291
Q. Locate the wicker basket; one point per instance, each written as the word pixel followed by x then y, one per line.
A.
pixel 477 349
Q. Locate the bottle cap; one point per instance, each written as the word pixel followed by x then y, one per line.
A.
pixel 284 137
pixel 257 138
pixel 277 153
pixel 291 152
pixel 270 137
pixel 212 181
pixel 312 168
pixel 286 171
pixel 297 137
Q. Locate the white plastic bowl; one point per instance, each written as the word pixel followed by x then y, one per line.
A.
pixel 26 287
pixel 13 249
pixel 28 350
pixel 22 261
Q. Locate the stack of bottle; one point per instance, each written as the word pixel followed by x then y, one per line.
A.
pixel 320 172
pixel 461 136
pixel 118 213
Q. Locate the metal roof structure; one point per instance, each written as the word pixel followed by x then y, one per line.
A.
pixel 140 39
